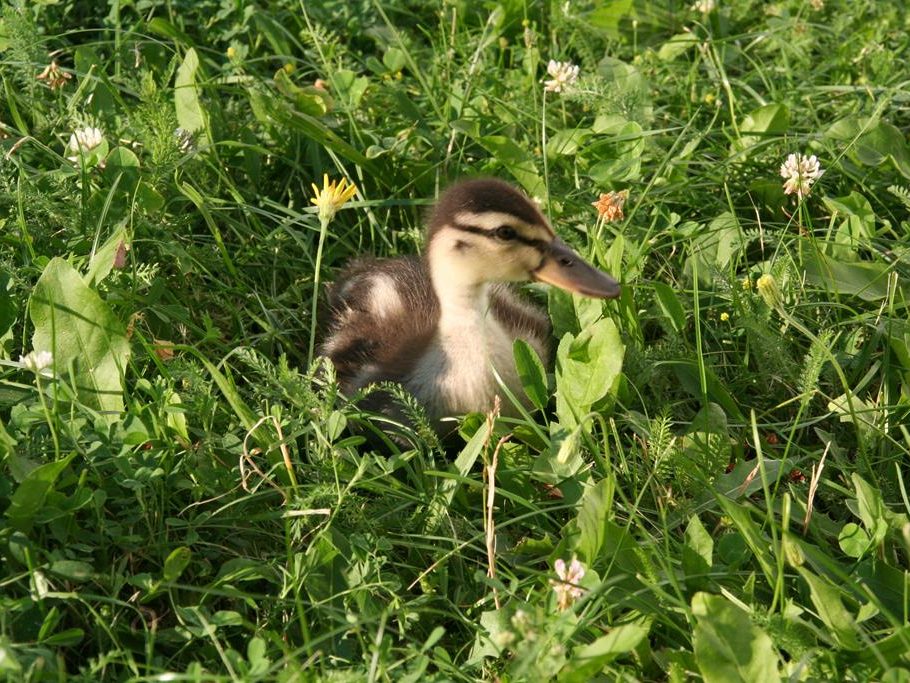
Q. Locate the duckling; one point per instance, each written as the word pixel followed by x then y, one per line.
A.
pixel 439 325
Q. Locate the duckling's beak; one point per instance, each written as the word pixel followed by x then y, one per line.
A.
pixel 565 269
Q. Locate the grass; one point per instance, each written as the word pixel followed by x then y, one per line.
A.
pixel 724 449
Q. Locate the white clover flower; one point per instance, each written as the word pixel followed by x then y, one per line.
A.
pixel 704 6
pixel 186 141
pixel 800 173
pixel 563 75
pixel 83 141
pixel 567 589
pixel 39 362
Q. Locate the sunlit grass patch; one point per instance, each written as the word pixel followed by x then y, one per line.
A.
pixel 712 482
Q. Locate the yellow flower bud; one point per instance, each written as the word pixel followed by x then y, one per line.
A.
pixel 770 292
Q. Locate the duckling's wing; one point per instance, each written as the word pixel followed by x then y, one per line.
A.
pixel 383 313
pixel 522 319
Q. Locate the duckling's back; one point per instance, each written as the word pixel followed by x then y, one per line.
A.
pixel 383 316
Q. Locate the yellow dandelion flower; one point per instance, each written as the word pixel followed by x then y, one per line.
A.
pixel 610 205
pixel 724 317
pixel 332 196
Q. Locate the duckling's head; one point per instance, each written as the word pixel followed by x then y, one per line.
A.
pixel 485 230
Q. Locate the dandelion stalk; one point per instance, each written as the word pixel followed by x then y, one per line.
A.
pixel 328 200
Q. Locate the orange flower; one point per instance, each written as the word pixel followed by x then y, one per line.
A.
pixel 610 204
pixel 54 75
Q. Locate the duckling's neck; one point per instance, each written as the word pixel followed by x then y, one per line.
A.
pixel 455 376
pixel 463 294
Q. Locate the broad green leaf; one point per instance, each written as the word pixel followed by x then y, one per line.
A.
pixel 854 540
pixel 162 27
pixel 148 199
pixel 257 654
pixel 887 582
pixel 348 87
pixel 227 617
pixel 867 280
pixel 335 425
pixel 244 569
pixel 697 553
pixel 72 322
pixel 586 661
pixel 276 111
pixel 677 45
pixel 587 310
pixel 190 115
pixel 609 124
pixel 620 156
pixel 882 142
pixel 715 248
pixel 893 650
pixel 871 508
pixel 531 372
pixel 768 120
pixel 847 128
pixel 72 570
pixel 831 610
pixel 670 305
pixel 493 624
pixel 306 99
pixel 865 412
pixel 593 516
pixel 175 416
pixel 566 142
pixel 65 638
pixel 561 309
pixel 103 260
pixel 274 31
pixel 176 562
pixel 122 158
pixel 564 459
pixel 607 15
pixel 699 540
pixel 588 369
pixel 29 496
pixel 728 646
pixel 517 161
pixel 857 227
pixel 395 59
pixel 755 539
pixel 612 260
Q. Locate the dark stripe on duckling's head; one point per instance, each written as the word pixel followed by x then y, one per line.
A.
pixel 484 196
pixel 503 233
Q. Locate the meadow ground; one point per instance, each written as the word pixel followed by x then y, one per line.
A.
pixel 714 484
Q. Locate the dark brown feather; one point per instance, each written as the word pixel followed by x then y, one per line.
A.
pixel 368 348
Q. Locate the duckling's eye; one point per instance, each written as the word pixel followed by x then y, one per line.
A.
pixel 505 232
